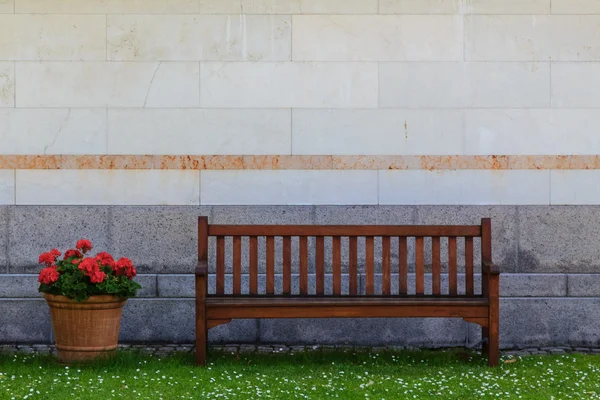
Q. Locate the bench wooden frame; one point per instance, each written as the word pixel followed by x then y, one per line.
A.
pixel 220 308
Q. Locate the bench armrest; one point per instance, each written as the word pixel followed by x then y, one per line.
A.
pixel 490 268
pixel 202 269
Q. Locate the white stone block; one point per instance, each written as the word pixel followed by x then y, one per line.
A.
pixel 108 84
pixel 289 6
pixel 456 85
pixel 532 38
pixel 7 84
pixel 289 187
pixel 377 38
pixel 464 6
pixel 52 131
pixel 377 132
pixel 576 85
pixel 7 6
pixel 199 37
pixel 464 187
pixel 532 132
pixel 7 186
pixel 107 187
pixel 575 187
pixel 575 7
pixel 199 131
pixel 107 6
pixel 52 37
pixel 279 85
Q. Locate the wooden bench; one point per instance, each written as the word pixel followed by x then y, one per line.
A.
pixel 298 302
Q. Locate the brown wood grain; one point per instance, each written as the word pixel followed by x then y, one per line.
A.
pixel 337 265
pixel 237 265
pixel 353 262
pixel 343 230
pixel 402 266
pixel 452 272
pixel 287 265
pixel 435 267
pixel 385 266
pixel 370 265
pixel 270 258
pixel 420 265
pixel 220 264
pixel 320 265
pixel 303 247
pixel 253 265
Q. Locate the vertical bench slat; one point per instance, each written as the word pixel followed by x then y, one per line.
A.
pixel 420 265
pixel 220 265
pixel 353 255
pixel 435 266
pixel 270 265
pixel 469 265
pixel 337 265
pixel 320 265
pixel 385 265
pixel 253 265
pixel 287 265
pixel 303 247
pixel 452 278
pixel 402 266
pixel 237 265
pixel 370 267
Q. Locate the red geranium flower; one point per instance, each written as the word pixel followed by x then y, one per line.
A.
pixel 88 266
pixel 73 253
pixel 76 261
pixel 97 276
pixel 55 253
pixel 105 259
pixel 47 258
pixel 84 245
pixel 125 267
pixel 49 275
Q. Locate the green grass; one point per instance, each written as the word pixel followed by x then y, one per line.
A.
pixel 403 375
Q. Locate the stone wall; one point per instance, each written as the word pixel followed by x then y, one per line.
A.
pixel 550 291
pixel 123 120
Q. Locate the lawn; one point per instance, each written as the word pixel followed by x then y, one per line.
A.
pixel 318 375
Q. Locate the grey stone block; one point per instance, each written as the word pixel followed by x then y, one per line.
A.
pixel 19 286
pixel 148 283
pixel 584 285
pixel 541 322
pixel 173 321
pixel 504 231
pixel 533 285
pixel 418 332
pixel 184 286
pixel 262 215
pixel 157 239
pixel 25 321
pixel 26 286
pixel 34 230
pixel 559 239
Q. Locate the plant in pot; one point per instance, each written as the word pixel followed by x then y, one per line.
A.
pixel 86 296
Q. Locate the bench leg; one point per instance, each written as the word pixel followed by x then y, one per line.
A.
pixel 494 334
pixel 201 335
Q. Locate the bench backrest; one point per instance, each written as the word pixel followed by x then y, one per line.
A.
pixel 293 260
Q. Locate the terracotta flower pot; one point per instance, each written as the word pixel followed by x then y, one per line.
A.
pixel 87 330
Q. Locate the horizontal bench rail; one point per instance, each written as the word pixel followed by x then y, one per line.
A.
pixel 344 230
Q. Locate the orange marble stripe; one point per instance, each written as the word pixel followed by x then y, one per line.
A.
pixel 295 162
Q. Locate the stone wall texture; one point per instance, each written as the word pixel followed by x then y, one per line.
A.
pixel 123 120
